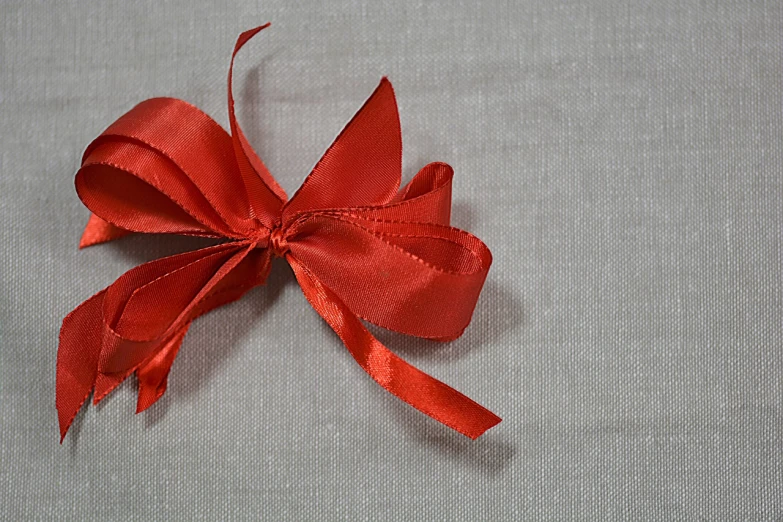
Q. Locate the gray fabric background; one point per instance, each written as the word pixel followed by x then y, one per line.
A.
pixel 621 159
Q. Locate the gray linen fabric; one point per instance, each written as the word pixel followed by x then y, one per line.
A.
pixel 622 159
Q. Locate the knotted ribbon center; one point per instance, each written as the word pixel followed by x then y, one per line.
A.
pixel 278 243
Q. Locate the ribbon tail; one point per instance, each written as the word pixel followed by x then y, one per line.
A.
pixel 153 375
pixel 77 358
pixel 99 231
pixel 423 392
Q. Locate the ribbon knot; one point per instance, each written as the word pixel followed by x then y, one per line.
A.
pixel 360 248
pixel 278 242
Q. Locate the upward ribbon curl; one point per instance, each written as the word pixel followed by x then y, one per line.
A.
pixel 360 249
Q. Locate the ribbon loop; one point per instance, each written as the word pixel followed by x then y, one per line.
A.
pixel 131 332
pixel 142 175
pixel 415 278
pixel 364 164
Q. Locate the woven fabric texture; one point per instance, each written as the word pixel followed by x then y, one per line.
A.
pixel 622 160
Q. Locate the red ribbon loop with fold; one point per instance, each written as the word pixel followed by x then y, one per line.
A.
pixel 361 249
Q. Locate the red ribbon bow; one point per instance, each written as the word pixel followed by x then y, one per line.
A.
pixel 358 247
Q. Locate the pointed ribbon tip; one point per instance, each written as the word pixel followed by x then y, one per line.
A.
pixel 361 247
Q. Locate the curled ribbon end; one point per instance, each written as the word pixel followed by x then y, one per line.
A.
pixel 250 33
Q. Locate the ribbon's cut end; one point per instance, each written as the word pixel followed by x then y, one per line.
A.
pixel 64 425
pixel 153 375
pixel 99 231
pixel 77 359
pixel 66 414
pixel 104 385
pixel 149 395
pixel 490 421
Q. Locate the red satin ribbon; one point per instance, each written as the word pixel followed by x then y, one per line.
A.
pixel 359 248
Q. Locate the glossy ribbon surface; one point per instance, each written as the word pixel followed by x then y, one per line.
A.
pixel 361 249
